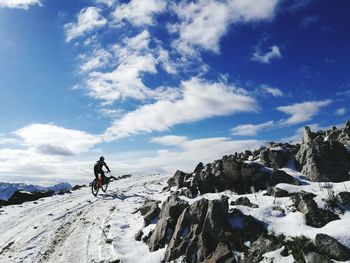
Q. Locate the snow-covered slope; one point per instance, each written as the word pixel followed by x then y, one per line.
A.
pixel 7 189
pixel 79 227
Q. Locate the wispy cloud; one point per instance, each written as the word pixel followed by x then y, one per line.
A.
pixel 301 112
pixel 276 92
pixel 170 140
pixel 88 19
pixel 139 12
pixel 21 4
pixel 340 111
pixel 198 100
pixel 199 27
pixel 250 129
pixel 97 59
pixel 267 57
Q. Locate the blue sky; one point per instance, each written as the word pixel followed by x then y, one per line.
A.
pixel 158 85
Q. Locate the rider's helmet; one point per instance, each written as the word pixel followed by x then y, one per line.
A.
pixel 102 158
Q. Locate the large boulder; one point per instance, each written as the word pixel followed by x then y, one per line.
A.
pixel 171 210
pixel 150 211
pixel 279 157
pixel 198 231
pixel 178 179
pixel 314 216
pixel 324 161
pixel 279 176
pixel 332 248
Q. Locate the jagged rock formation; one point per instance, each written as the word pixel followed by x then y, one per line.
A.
pixel 323 156
pixel 207 231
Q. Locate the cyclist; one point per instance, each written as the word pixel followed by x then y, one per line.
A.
pixel 98 169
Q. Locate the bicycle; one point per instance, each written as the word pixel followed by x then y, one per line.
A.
pixel 97 184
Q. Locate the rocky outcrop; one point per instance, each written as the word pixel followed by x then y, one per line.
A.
pixel 314 216
pixel 323 156
pixel 277 155
pixel 332 248
pixel 171 210
pixel 20 197
pixel 149 211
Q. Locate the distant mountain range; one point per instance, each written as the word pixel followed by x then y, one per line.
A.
pixel 8 189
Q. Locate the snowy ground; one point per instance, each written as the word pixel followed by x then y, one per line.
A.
pixel 79 227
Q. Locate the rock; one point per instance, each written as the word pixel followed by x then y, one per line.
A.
pixel 150 211
pixel 277 192
pixel 265 243
pixel 324 161
pixel 20 197
pixel 199 167
pixel 279 157
pixel 232 169
pixel 279 176
pixel 265 157
pixel 314 257
pixel 244 228
pixel 222 254
pixel 77 187
pixel 138 235
pixel 308 135
pixel 332 248
pixel 171 210
pixel 314 216
pixel 190 192
pixel 198 230
pixel 344 199
pixel 177 179
pixel 244 201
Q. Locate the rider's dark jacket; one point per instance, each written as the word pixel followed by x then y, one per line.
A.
pixel 98 168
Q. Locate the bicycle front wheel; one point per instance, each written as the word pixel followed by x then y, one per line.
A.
pixel 94 187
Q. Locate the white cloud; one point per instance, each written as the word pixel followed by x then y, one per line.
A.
pixel 276 92
pixel 88 19
pixel 301 112
pixel 250 129
pixel 340 111
pixel 49 139
pixel 203 23
pixel 21 4
pixel 106 2
pixel 97 59
pixel 134 57
pixel 265 58
pixel 112 113
pixel 7 140
pixel 170 140
pixel 139 12
pixel 199 100
pixel 188 154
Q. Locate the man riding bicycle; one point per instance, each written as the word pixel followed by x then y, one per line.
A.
pixel 98 169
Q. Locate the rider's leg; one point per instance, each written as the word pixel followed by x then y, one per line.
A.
pixel 103 177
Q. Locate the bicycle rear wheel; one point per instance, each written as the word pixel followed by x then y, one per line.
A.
pixel 104 187
pixel 94 187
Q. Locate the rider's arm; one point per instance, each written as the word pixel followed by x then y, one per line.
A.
pixel 106 166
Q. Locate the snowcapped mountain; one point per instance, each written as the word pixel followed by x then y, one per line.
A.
pixel 8 189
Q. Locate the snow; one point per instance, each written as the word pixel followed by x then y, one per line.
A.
pixel 79 227
pixel 275 256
